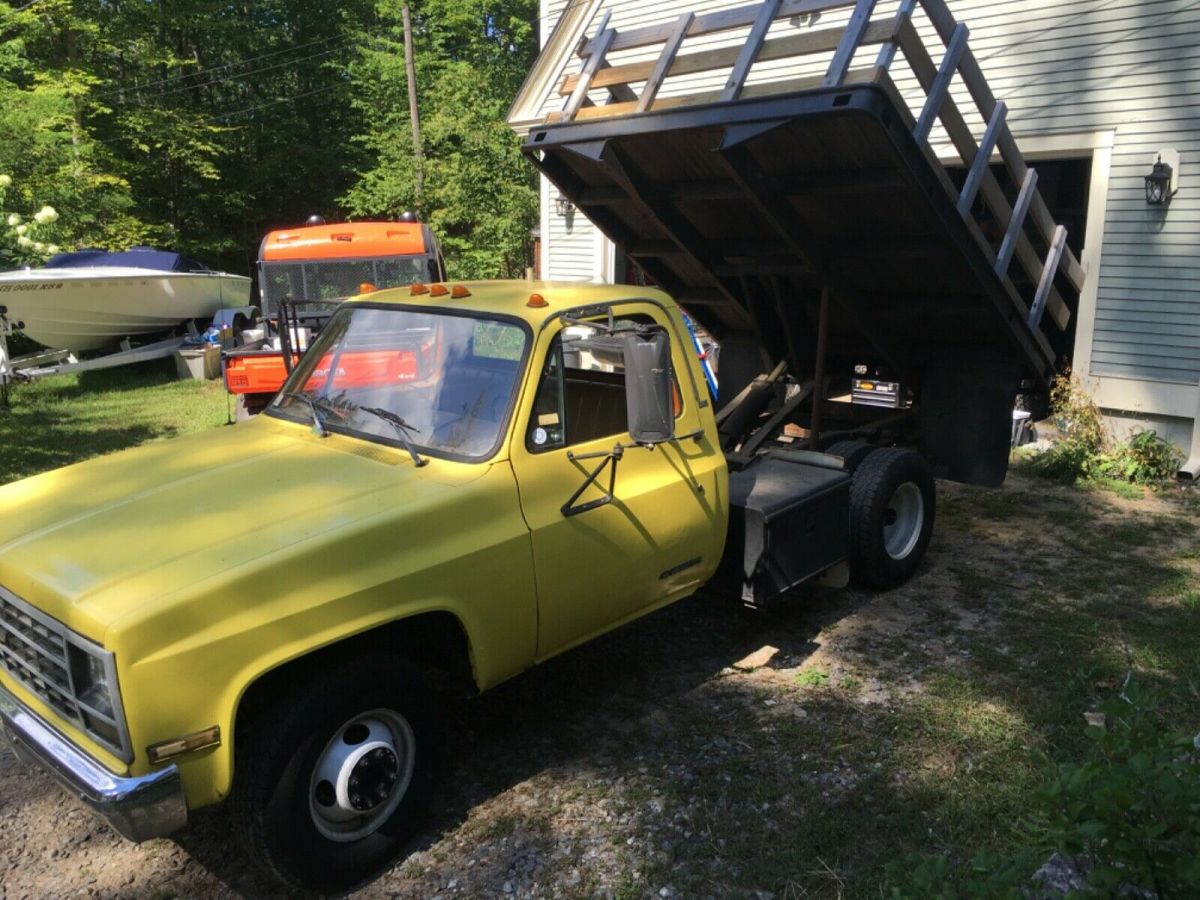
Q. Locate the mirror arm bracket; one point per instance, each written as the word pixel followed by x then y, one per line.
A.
pixel 606 457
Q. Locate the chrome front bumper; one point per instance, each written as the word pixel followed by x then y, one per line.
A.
pixel 140 808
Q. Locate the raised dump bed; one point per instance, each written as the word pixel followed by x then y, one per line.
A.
pixel 758 201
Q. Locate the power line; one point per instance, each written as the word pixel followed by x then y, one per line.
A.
pixel 184 88
pixel 13 12
pixel 215 118
pixel 277 100
pixel 229 65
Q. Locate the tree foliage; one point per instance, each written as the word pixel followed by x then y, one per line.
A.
pixel 478 194
pixel 202 125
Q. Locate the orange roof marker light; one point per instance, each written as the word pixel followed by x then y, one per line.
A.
pixel 418 289
pixel 438 290
pixel 459 291
pixel 366 288
pixel 537 301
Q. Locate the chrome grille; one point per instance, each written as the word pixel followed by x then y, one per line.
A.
pixel 35 654
pixel 34 651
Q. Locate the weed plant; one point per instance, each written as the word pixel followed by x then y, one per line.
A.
pixel 1085 454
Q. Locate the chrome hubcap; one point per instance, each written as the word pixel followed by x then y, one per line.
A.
pixel 903 521
pixel 362 775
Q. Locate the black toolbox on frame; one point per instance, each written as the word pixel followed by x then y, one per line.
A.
pixel 787 523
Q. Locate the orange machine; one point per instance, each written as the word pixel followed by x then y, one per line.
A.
pixel 305 272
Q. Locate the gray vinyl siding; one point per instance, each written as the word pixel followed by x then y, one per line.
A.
pixel 1130 67
pixel 1075 66
pixel 570 243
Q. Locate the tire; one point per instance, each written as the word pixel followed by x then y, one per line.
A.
pixel 294 802
pixel 892 505
pixel 851 452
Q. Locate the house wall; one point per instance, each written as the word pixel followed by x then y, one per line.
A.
pixel 1128 68
pixel 1111 79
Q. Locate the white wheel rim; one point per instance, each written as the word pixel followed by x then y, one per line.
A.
pixel 362 775
pixel 903 521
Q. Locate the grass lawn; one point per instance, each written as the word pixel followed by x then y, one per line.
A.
pixel 62 419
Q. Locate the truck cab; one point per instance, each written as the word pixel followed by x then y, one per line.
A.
pixel 303 273
pixel 465 479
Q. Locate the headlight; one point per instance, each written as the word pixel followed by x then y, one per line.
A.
pixel 93 675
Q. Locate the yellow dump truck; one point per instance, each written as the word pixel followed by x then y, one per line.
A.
pixel 249 613
pixel 459 481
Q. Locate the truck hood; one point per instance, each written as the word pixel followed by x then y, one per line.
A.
pixel 94 542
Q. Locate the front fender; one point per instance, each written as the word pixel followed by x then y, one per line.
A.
pixel 195 660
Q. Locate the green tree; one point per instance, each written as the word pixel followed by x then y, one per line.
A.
pixel 479 195
pixel 202 124
pixel 51 158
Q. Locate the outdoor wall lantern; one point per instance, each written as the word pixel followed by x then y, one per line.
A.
pixel 1162 183
pixel 563 206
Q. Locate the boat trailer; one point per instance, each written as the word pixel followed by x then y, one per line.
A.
pixel 61 362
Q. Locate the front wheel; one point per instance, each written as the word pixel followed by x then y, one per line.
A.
pixel 334 775
pixel 892 502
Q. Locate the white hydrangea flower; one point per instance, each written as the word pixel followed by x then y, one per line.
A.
pixel 45 215
pixel 21 229
pixel 39 247
pixel 14 219
pixel 24 243
pixel 52 249
pixel 5 181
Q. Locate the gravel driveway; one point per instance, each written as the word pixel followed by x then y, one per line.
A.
pixel 706 750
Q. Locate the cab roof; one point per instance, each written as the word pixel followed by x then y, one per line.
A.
pixel 512 298
pixel 347 240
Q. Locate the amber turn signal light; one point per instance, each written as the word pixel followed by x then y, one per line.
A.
pixel 198 740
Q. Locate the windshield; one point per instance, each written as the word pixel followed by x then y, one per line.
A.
pixel 336 279
pixel 438 383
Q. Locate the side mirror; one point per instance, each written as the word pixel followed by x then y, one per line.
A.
pixel 648 391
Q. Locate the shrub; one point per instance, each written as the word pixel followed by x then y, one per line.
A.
pixel 1146 459
pixel 1132 808
pixel 1129 814
pixel 21 237
pixel 1084 453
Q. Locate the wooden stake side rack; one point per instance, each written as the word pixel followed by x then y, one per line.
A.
pixel 785 170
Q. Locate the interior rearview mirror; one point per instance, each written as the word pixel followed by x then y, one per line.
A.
pixel 648 392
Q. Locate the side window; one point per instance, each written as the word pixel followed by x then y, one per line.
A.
pixel 547 429
pixel 581 396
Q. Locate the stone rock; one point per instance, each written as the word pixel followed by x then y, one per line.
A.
pixel 757 659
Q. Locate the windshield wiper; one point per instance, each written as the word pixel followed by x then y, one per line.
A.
pixel 402 429
pixel 318 419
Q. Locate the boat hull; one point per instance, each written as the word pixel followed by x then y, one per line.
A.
pixel 89 309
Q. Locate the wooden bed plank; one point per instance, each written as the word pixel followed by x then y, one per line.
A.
pixel 713 22
pixel 811 42
pixel 857 76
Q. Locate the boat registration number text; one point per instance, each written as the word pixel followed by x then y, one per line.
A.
pixel 46 286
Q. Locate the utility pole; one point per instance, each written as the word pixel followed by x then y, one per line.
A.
pixel 418 154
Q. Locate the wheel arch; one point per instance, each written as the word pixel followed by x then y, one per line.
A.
pixel 437 641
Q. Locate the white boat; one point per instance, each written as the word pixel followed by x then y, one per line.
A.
pixel 91 299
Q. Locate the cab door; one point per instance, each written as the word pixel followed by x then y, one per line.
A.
pixel 603 556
